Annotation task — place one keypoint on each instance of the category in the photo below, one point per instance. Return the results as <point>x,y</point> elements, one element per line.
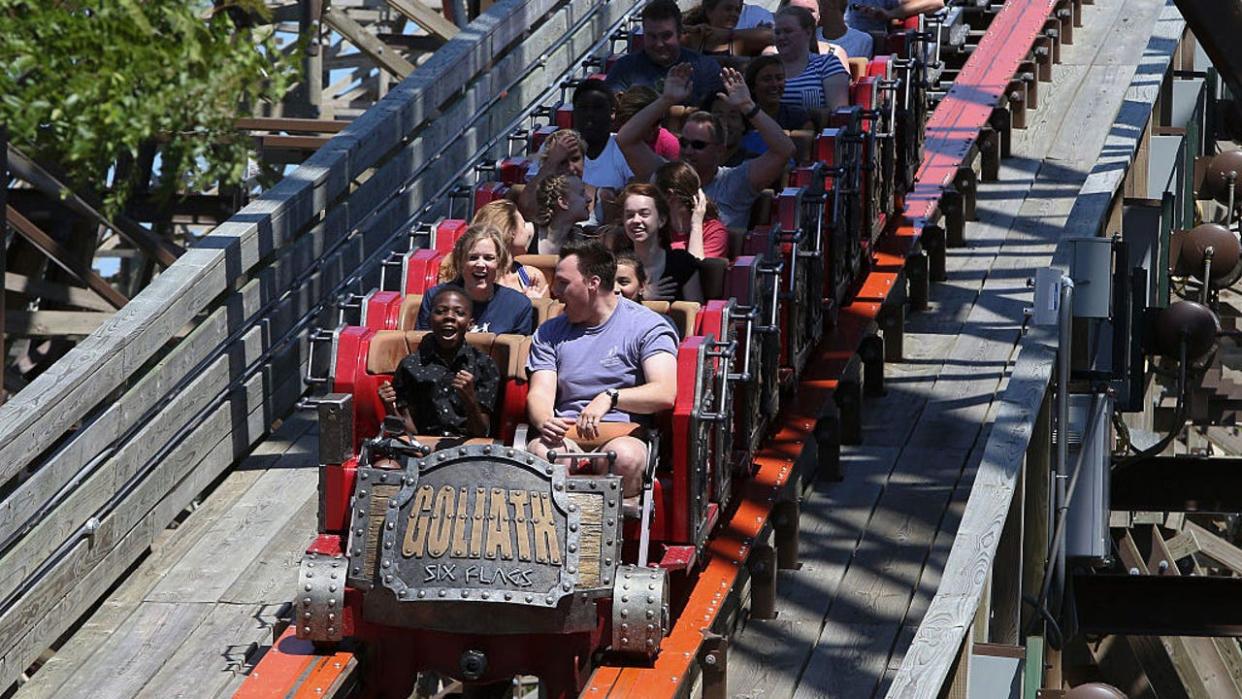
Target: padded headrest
<point>555,309</point>
<point>509,352</point>
<point>761,210</point>
<point>543,263</point>
<point>737,242</point>
<point>660,307</point>
<point>542,307</point>
<point>389,347</point>
<point>407,316</point>
<point>804,142</point>
<point>684,315</point>
<point>858,67</point>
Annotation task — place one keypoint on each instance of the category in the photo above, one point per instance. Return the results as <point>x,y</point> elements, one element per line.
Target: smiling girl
<point>672,275</point>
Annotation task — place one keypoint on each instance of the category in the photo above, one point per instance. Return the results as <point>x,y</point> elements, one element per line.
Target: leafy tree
<point>85,82</point>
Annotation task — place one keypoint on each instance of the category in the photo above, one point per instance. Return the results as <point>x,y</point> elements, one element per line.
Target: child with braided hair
<point>560,203</point>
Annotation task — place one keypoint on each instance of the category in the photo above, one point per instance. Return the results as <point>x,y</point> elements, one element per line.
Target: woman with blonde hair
<point>503,215</point>
<point>478,257</point>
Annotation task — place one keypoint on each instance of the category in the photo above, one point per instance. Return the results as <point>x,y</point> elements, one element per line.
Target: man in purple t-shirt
<point>605,360</point>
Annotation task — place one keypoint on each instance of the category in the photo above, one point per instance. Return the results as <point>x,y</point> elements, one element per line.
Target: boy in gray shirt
<point>603,364</point>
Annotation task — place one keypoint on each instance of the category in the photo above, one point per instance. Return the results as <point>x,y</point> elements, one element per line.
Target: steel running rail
<point>951,131</point>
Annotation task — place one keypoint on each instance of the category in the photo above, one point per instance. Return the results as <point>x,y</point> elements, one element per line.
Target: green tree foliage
<point>83,82</point>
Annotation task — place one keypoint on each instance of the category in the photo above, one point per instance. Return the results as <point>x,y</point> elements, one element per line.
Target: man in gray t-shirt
<point>602,364</point>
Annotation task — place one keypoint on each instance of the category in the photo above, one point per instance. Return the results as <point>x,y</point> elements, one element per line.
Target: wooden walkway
<point>874,545</point>
<point>187,617</point>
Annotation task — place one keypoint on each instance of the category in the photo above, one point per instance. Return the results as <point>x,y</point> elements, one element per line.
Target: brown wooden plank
<point>238,537</point>
<point>45,610</point>
<point>75,296</point>
<point>274,572</point>
<point>53,323</point>
<point>165,252</point>
<point>137,651</point>
<point>767,658</point>
<point>212,660</point>
<point>1215,547</point>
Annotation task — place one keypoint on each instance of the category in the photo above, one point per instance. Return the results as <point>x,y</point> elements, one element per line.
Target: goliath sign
<point>481,524</point>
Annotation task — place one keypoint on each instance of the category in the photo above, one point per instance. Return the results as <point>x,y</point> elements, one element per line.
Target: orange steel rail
<point>294,669</point>
<point>950,132</point>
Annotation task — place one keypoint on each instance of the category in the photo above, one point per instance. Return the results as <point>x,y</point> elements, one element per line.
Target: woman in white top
<point>812,81</point>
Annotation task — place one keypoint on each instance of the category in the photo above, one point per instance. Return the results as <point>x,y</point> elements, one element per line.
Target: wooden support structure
<point>165,252</point>
<point>927,668</point>
<point>4,253</point>
<point>68,295</point>
<point>61,257</point>
<point>359,36</point>
<point>425,17</point>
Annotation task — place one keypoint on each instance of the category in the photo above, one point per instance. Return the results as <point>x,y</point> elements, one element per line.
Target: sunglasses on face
<point>694,143</point>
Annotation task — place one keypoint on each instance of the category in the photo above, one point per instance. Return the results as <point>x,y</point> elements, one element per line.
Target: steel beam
<point>1179,484</point>
<point>1159,605</point>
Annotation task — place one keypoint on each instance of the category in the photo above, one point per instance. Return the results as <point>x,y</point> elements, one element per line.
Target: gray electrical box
<point>1086,523</point>
<point>1091,268</point>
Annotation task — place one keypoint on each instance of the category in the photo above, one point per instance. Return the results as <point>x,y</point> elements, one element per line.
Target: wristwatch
<point>754,112</point>
<point>613,395</point>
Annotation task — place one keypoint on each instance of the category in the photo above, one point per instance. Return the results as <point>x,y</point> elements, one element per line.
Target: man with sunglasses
<point>733,189</point>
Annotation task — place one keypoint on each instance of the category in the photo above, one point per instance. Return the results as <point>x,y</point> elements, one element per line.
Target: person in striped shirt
<point>815,82</point>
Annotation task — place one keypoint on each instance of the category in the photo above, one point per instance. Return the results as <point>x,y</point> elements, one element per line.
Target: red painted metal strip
<point>955,123</point>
